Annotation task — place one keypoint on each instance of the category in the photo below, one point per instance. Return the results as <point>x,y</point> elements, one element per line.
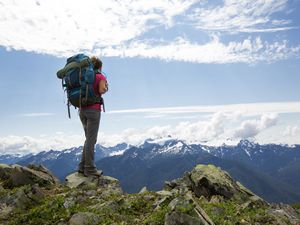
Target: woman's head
<point>97,63</point>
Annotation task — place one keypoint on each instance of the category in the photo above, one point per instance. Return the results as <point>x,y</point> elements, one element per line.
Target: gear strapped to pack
<point>78,77</point>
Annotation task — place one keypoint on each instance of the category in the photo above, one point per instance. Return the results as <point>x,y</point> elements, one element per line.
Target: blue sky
<point>204,71</point>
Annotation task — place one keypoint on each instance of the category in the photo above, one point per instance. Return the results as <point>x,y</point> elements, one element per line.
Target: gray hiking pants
<point>90,119</point>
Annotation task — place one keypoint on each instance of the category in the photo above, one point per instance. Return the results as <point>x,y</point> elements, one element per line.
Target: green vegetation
<point>114,208</point>
<point>49,211</point>
<point>228,213</point>
<point>296,206</point>
<point>107,204</point>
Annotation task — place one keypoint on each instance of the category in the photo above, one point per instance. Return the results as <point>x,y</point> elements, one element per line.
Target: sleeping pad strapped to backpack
<point>78,77</point>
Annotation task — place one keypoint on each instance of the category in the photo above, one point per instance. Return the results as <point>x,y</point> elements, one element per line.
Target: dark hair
<point>97,63</point>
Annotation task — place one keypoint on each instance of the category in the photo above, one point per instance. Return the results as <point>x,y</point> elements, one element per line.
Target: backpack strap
<point>102,102</point>
<point>86,92</point>
<point>80,76</point>
<point>69,113</point>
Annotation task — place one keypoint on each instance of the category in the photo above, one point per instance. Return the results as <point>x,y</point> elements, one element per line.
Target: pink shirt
<point>98,77</point>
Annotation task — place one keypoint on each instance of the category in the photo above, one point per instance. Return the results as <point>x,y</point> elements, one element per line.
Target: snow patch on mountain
<point>120,152</point>
<point>173,149</point>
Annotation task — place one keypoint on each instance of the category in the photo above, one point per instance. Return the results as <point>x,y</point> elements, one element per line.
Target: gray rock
<point>177,218</point>
<point>143,190</point>
<point>69,202</point>
<point>216,199</point>
<point>283,213</point>
<point>22,198</point>
<point>165,193</point>
<point>161,202</point>
<point>85,218</point>
<point>16,175</point>
<point>99,184</point>
<point>187,211</point>
<point>209,181</point>
<point>5,211</point>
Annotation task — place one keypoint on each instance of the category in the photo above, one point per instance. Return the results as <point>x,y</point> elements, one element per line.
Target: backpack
<point>78,77</point>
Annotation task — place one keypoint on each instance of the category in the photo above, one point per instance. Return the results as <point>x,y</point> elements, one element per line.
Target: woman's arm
<point>103,87</point>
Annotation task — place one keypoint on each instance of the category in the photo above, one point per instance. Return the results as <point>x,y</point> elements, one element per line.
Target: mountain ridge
<point>259,167</point>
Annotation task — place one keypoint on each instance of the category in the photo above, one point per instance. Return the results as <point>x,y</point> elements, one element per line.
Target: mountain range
<point>271,171</point>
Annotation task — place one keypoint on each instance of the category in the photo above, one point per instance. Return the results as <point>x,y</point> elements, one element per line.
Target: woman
<point>90,118</point>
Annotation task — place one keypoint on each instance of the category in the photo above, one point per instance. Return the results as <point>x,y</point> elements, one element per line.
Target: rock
<point>69,202</point>
<point>216,199</point>
<point>164,193</point>
<point>284,213</point>
<point>209,180</point>
<point>84,218</point>
<point>16,175</point>
<point>101,184</point>
<point>161,202</point>
<point>177,218</point>
<point>5,211</point>
<point>21,198</point>
<point>182,184</point>
<point>165,197</point>
<point>205,192</point>
<point>188,211</point>
<point>143,190</point>
<point>253,202</point>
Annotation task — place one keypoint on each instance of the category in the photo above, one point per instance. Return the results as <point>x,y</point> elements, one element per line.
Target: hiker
<point>90,119</point>
<point>85,84</point>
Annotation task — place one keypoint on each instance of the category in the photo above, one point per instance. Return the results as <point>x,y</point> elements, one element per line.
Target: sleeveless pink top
<point>96,106</point>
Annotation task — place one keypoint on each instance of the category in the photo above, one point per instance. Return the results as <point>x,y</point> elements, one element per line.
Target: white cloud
<point>242,16</point>
<point>126,29</point>
<point>251,128</point>
<point>62,27</point>
<point>215,129</point>
<point>35,114</point>
<point>220,127</point>
<point>292,131</point>
<point>214,51</point>
<point>249,109</point>
<point>26,144</point>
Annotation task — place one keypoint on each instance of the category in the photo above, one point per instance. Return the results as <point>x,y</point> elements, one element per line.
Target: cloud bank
<point>142,28</point>
<point>221,124</point>
<point>251,128</point>
<point>216,130</point>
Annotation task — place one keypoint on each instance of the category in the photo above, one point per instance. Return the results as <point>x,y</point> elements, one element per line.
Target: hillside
<point>206,195</point>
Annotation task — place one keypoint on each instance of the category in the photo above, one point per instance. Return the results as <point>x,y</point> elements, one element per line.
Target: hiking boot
<point>96,173</point>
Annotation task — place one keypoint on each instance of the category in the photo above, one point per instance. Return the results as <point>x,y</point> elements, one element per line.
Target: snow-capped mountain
<point>61,163</point>
<point>11,159</point>
<point>272,171</point>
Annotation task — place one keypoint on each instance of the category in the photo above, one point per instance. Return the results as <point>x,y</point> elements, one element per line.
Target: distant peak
<point>247,143</point>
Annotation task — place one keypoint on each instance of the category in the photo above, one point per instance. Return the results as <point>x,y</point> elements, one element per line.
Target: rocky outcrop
<point>206,195</point>
<point>16,176</point>
<point>209,181</point>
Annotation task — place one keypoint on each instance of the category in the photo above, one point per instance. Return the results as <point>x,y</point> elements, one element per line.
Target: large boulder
<point>109,184</point>
<point>209,181</point>
<point>16,176</point>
